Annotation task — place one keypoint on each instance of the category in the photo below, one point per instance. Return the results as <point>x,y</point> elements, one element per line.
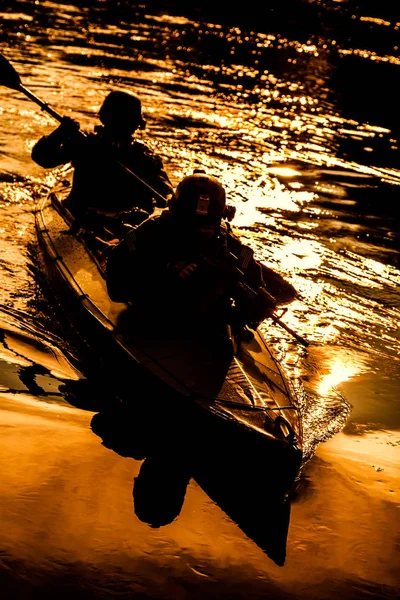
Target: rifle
<point>248,300</point>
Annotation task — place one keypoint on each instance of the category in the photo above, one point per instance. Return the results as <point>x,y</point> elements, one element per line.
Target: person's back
<point>113,172</point>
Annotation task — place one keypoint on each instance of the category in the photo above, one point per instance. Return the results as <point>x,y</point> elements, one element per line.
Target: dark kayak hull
<point>244,403</point>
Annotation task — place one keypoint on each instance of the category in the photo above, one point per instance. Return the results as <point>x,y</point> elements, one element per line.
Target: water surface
<point>297,115</point>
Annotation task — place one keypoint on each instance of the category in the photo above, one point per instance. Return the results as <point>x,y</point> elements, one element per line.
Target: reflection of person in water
<point>159,490</point>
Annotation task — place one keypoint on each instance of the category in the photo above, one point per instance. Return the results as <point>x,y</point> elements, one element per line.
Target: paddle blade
<point>8,75</point>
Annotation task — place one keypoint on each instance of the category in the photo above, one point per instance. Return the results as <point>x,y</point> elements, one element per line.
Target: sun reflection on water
<point>339,370</point>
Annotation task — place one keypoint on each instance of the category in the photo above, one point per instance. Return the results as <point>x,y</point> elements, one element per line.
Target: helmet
<point>122,110</point>
<point>199,197</point>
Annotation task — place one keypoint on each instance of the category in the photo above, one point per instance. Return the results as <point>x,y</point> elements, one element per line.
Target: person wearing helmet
<point>113,172</point>
<point>189,257</point>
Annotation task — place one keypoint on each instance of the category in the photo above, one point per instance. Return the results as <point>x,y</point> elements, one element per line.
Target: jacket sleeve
<point>131,265</point>
<point>256,274</point>
<point>52,150</point>
<point>59,147</point>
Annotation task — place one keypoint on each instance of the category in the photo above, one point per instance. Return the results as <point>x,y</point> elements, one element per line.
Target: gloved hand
<point>68,127</point>
<point>159,202</point>
<point>133,217</point>
<point>264,303</point>
<point>253,305</point>
<point>182,269</point>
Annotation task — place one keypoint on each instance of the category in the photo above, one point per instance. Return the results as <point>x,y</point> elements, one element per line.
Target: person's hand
<point>265,304</point>
<point>186,271</point>
<point>132,217</point>
<point>229,212</point>
<point>183,270</point>
<point>69,127</point>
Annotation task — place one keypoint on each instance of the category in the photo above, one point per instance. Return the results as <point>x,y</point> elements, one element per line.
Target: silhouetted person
<point>188,261</point>
<point>100,182</point>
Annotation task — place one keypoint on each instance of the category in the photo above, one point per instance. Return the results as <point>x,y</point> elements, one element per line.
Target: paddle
<point>10,79</point>
<point>289,330</point>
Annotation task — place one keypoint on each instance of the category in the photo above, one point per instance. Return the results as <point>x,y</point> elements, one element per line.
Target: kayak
<point>234,389</point>
<point>238,390</point>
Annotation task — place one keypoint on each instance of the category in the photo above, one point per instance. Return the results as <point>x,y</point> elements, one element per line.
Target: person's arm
<point>254,301</point>
<point>131,264</point>
<point>259,275</point>
<point>56,149</point>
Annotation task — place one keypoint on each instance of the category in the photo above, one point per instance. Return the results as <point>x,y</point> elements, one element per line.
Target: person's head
<point>200,201</point>
<point>121,113</point>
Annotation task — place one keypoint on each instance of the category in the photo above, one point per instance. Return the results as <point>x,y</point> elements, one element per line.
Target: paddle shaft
<point>43,105</point>
<point>274,317</point>
<point>289,330</point>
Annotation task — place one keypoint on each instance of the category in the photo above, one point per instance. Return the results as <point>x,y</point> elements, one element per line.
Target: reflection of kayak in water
<point>172,456</point>
<point>31,359</point>
<point>244,392</point>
